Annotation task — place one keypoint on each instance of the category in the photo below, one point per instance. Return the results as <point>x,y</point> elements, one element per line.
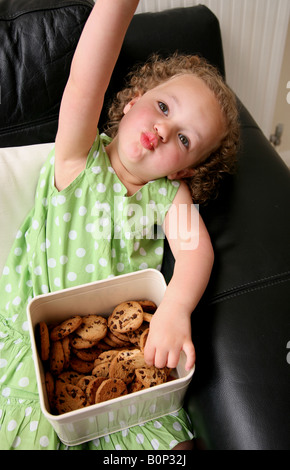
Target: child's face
<point>170,129</point>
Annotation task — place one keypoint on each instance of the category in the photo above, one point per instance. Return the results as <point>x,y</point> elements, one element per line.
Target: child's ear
<point>179,175</point>
<point>131,103</point>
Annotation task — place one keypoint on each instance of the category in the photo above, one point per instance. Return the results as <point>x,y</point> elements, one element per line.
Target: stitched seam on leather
<point>27,125</point>
<point>231,296</point>
<point>16,14</point>
<point>251,286</point>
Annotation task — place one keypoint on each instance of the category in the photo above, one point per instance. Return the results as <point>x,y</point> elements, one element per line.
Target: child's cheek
<point>143,116</point>
<point>134,152</point>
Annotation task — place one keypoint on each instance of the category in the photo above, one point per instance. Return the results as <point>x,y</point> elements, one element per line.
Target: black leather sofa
<point>239,397</point>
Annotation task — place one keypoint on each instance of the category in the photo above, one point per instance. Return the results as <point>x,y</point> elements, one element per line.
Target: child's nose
<point>163,132</point>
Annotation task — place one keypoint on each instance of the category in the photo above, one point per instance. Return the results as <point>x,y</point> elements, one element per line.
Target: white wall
<point>282,110</point>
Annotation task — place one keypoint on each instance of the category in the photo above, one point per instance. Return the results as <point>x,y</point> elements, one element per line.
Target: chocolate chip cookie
<point>127,316</point>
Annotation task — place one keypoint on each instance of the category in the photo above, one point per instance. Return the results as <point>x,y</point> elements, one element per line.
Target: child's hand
<point>169,334</point>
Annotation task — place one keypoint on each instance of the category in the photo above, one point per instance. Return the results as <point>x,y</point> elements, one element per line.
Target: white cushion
<point>19,172</point>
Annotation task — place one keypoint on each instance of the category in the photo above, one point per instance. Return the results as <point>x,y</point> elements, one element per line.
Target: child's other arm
<point>192,249</point>
<point>91,70</point>
<point>170,328</point>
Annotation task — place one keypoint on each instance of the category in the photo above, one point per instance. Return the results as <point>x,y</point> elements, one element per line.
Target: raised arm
<point>91,69</point>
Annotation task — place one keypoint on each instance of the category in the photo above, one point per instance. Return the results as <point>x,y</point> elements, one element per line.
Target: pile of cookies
<point>90,359</point>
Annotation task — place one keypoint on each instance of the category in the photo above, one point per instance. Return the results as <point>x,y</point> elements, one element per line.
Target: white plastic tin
<point>100,298</point>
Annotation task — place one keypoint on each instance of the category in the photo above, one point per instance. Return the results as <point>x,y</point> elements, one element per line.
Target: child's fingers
<point>155,356</point>
<point>189,350</point>
<point>173,358</point>
<point>149,353</point>
<point>161,357</point>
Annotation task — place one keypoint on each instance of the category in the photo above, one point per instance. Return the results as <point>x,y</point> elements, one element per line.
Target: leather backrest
<point>37,42</point>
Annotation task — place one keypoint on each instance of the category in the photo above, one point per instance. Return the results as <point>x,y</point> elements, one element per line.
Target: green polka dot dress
<point>91,230</point>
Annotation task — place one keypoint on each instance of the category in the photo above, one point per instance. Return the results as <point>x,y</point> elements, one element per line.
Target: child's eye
<point>184,140</point>
<point>163,107</point>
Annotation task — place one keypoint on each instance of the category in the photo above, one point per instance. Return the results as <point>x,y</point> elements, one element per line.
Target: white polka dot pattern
<point>89,231</point>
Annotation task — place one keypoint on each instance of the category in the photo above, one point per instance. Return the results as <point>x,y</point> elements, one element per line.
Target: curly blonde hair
<point>208,174</point>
